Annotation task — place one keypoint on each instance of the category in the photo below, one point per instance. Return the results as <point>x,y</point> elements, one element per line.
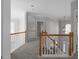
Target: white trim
<point>5,29</point>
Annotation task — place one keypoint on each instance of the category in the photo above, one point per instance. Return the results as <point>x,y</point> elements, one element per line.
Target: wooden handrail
<point>46,34</point>
<point>55,35</point>
<point>17,33</point>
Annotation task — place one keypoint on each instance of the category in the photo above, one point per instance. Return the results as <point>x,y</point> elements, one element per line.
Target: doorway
<point>39,28</point>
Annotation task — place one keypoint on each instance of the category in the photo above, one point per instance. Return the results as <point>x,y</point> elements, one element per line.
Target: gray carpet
<point>29,51</point>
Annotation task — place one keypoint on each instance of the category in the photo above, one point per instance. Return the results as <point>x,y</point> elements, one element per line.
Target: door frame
<point>5,29</point>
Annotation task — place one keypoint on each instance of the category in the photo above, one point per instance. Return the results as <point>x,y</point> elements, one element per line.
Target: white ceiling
<point>53,8</point>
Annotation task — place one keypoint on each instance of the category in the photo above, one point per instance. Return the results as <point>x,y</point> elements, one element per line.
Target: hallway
<point>29,51</point>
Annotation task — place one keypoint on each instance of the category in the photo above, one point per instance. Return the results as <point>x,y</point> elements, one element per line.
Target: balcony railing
<point>56,44</point>
<point>17,40</point>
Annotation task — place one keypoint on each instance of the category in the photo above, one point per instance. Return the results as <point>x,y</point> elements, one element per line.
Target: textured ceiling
<point>52,8</point>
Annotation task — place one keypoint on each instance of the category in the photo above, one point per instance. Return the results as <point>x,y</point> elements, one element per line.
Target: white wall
<point>52,27</point>
<point>18,18</point>
<point>31,27</point>
<point>74,16</point>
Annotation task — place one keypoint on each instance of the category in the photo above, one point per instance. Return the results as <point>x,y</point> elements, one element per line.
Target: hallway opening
<point>43,29</point>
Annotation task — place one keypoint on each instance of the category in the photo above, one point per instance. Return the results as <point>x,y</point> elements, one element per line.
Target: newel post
<point>40,43</point>
<point>70,45</point>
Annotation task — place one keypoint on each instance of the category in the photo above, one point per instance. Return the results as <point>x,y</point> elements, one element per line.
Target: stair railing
<point>43,36</point>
